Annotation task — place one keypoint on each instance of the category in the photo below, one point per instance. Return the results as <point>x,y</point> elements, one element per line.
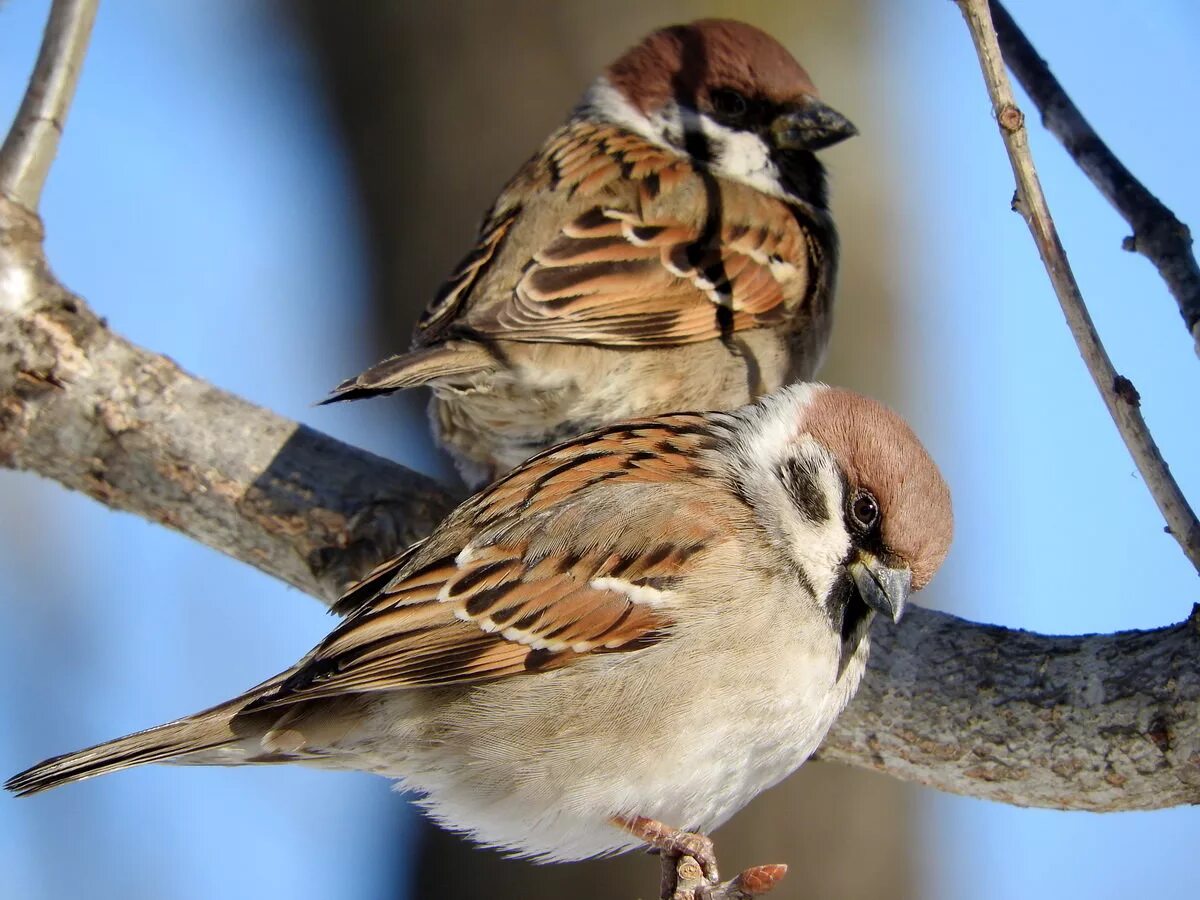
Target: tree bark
<point>130,429</point>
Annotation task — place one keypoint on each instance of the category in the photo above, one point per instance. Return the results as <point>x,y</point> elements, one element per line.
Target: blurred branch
<point>1157,233</point>
<point>1118,392</point>
<point>33,139</point>
<point>1101,722</point>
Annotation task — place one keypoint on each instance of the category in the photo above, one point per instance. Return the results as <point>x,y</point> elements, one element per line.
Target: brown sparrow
<point>670,247</point>
<point>654,621</point>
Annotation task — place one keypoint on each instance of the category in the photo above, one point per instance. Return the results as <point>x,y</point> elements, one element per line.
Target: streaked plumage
<point>658,619</point>
<point>657,253</point>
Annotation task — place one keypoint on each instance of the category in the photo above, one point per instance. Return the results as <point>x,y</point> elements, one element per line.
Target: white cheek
<point>742,156</point>
<point>819,548</point>
<point>738,155</point>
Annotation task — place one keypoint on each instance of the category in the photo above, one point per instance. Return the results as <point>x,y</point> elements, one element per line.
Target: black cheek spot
<point>802,486</point>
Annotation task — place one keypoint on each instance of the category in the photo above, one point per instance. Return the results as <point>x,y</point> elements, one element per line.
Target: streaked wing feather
<point>642,265</point>
<point>496,226</point>
<point>511,600</point>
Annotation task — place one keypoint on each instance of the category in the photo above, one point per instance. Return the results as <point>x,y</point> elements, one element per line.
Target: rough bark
<point>1098,722</point>
<point>81,405</point>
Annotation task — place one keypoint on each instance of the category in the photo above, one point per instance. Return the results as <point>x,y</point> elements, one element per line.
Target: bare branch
<point>83,406</point>
<point>32,141</point>
<point>1102,722</point>
<point>751,883</point>
<point>1118,392</point>
<point>1157,233</point>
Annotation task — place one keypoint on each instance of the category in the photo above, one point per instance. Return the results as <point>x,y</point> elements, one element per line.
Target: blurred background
<point>269,192</point>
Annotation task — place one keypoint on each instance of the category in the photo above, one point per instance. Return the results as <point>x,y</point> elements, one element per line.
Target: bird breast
<point>687,731</point>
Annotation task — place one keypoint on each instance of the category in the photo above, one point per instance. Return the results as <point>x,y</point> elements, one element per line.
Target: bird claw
<point>689,864</point>
<point>680,851</point>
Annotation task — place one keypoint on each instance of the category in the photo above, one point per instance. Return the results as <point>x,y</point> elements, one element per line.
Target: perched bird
<point>669,247</point>
<point>650,623</point>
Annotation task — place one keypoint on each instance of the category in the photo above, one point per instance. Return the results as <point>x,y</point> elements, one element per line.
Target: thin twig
<point>32,141</point>
<point>1157,234</point>
<point>1118,392</point>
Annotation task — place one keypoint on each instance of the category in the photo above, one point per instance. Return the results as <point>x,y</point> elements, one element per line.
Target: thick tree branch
<point>83,406</point>
<point>1118,392</point>
<point>1101,722</point>
<point>1157,233</point>
<point>32,141</point>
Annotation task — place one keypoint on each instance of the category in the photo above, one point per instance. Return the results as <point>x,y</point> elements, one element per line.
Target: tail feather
<point>442,361</point>
<point>153,745</point>
<point>220,726</point>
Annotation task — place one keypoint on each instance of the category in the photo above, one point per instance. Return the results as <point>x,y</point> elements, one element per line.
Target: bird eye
<point>728,103</point>
<point>865,511</point>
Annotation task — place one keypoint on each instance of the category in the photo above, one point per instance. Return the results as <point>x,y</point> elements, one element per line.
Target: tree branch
<point>1101,722</point>
<point>1157,233</point>
<point>32,141</point>
<point>1118,392</point>
<point>129,428</point>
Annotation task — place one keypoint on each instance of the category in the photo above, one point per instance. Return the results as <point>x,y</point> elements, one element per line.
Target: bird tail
<point>190,740</point>
<point>442,361</point>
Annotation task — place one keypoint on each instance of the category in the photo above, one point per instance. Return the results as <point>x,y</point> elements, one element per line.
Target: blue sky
<point>1056,532</point>
<point>212,222</point>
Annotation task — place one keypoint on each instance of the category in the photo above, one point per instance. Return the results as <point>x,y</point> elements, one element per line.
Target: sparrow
<point>669,247</point>
<point>648,624</point>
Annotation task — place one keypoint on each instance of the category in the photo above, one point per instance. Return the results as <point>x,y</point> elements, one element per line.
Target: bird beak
<point>883,589</point>
<point>810,126</point>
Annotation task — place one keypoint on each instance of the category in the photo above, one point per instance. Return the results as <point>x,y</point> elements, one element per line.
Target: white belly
<point>688,742</point>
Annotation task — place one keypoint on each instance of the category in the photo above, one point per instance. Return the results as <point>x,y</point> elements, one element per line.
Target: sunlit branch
<point>32,142</point>
<point>1118,392</point>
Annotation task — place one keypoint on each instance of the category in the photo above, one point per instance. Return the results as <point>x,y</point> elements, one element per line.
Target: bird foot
<point>689,865</point>
<point>674,847</point>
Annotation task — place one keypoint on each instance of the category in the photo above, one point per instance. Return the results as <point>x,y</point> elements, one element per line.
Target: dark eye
<point>864,511</point>
<point>728,103</point>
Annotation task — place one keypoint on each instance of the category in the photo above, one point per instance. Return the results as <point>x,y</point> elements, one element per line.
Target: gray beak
<point>810,126</point>
<point>884,590</point>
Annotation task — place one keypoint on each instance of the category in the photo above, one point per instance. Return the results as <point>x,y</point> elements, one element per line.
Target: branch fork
<point>1114,389</point>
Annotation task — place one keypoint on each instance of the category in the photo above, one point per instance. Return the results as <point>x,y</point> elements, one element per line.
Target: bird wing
<point>609,239</point>
<point>547,565</point>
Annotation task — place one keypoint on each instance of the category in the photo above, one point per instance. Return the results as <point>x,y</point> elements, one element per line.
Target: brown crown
<point>683,62</point>
<point>879,452</point>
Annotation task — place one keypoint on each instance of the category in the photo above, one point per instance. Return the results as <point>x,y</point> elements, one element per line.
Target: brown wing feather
<point>536,579</point>
<point>495,226</point>
<point>617,241</point>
